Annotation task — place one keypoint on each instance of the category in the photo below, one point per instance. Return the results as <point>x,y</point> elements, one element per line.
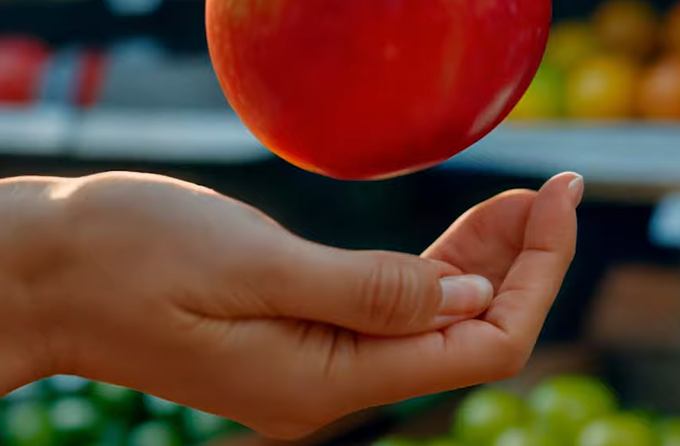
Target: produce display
<point>70,411</point>
<point>623,62</point>
<point>569,410</point>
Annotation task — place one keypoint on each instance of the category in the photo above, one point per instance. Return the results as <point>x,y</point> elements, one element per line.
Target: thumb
<point>381,293</point>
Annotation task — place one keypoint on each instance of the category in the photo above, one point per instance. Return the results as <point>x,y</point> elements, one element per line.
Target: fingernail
<point>465,295</point>
<point>576,188</point>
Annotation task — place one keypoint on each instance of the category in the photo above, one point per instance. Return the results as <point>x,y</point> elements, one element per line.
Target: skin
<point>175,290</point>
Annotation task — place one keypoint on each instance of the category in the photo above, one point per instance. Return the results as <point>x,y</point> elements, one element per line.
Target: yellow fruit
<point>603,87</point>
<point>659,92</point>
<point>544,98</point>
<point>628,27</point>
<point>571,42</point>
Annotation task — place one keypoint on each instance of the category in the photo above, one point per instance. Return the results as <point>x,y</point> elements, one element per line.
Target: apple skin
<point>372,89</point>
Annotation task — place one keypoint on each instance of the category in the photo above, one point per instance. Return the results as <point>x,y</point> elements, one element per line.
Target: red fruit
<point>22,60</point>
<point>367,89</point>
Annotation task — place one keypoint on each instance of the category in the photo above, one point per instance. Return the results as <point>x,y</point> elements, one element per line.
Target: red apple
<point>368,89</point>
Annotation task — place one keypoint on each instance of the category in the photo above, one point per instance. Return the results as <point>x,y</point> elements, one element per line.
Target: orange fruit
<point>628,27</point>
<point>602,87</point>
<point>571,42</point>
<point>659,91</point>
<point>672,29</point>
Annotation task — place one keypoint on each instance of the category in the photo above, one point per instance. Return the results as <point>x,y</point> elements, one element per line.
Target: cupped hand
<point>177,291</point>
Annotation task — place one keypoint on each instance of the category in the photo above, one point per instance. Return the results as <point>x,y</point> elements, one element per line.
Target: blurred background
<point>92,85</point>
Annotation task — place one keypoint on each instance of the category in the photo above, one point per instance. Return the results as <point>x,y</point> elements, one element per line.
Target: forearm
<point>32,240</point>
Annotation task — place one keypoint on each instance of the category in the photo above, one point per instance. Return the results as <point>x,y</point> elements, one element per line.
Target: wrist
<point>20,356</point>
<point>31,246</point>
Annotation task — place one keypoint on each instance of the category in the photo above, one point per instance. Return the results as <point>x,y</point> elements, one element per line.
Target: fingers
<point>380,293</point>
<point>536,276</point>
<point>486,239</point>
<point>474,351</point>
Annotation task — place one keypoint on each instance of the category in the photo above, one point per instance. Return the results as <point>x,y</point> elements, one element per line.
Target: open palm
<point>523,242</point>
<point>204,301</point>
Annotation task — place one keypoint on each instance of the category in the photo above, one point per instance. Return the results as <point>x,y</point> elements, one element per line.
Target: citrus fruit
<point>545,96</point>
<point>563,405</point>
<point>603,87</point>
<point>618,430</point>
<point>571,42</point>
<point>487,413</point>
<point>628,27</point>
<point>659,90</point>
<point>361,90</point>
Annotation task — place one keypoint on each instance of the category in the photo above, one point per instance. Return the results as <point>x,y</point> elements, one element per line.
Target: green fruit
<point>519,436</point>
<point>26,423</point>
<point>441,441</point>
<point>160,408</point>
<point>544,99</point>
<point>117,401</point>
<point>562,406</point>
<point>67,384</point>
<point>618,430</point>
<point>115,433</point>
<point>669,432</point>
<point>33,391</point>
<point>112,394</point>
<point>155,433</point>
<point>76,420</point>
<point>485,414</point>
<point>203,426</point>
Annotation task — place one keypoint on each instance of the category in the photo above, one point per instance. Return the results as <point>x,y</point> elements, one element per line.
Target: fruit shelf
<point>169,136</point>
<point>614,153</point>
<point>632,153</point>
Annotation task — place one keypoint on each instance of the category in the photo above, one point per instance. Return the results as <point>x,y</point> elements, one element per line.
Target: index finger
<point>535,278</point>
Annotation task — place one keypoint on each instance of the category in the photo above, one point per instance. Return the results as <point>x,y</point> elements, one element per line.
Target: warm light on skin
<point>64,188</point>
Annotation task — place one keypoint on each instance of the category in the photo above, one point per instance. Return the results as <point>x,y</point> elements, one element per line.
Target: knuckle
<point>395,295</point>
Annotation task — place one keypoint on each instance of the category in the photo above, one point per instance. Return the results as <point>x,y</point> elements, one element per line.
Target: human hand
<point>177,291</point>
